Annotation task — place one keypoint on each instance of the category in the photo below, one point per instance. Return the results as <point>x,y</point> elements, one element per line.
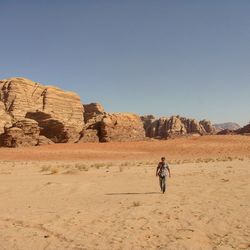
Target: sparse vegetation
<point>81,167</point>
<point>54,170</point>
<point>136,204</point>
<point>125,164</point>
<point>97,165</point>
<point>45,168</point>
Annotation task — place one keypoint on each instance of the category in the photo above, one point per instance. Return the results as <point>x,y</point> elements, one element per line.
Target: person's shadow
<point>133,193</point>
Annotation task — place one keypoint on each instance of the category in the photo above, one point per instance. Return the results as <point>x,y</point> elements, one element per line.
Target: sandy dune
<point>65,197</point>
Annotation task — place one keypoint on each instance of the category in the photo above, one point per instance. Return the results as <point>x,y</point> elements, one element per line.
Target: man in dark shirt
<point>161,171</point>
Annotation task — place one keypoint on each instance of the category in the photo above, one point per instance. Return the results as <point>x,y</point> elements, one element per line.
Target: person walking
<point>161,171</point>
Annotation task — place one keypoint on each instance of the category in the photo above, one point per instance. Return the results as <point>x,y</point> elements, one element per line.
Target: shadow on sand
<point>133,193</point>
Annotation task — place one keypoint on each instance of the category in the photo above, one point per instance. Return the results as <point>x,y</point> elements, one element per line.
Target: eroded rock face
<point>174,126</point>
<point>227,132</point>
<point>42,140</point>
<point>5,118</point>
<point>54,128</point>
<point>93,115</point>
<point>21,96</point>
<point>92,110</point>
<point>208,127</point>
<point>244,130</point>
<point>89,135</point>
<point>121,127</point>
<point>24,132</point>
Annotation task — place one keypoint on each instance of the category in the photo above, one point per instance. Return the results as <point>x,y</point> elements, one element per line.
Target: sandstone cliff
<point>35,114</point>
<point>22,98</point>
<point>93,115</point>
<point>121,127</point>
<point>167,127</point>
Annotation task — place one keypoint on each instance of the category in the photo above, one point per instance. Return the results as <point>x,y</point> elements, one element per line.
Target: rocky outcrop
<point>34,114</point>
<point>62,111</point>
<point>174,126</point>
<point>92,111</point>
<point>208,127</point>
<point>5,118</point>
<point>93,115</point>
<point>54,128</point>
<point>24,132</point>
<point>89,135</point>
<point>121,127</point>
<point>227,132</point>
<point>244,130</point>
<point>42,140</point>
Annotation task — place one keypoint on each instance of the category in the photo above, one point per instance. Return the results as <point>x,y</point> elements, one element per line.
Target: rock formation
<point>59,114</point>
<point>93,111</point>
<point>241,131</point>
<point>208,127</point>
<point>174,126</point>
<point>24,132</point>
<point>34,114</point>
<point>121,127</point>
<point>244,130</point>
<point>93,115</point>
<point>227,132</point>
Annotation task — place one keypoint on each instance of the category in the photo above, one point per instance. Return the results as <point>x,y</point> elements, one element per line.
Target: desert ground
<point>106,196</point>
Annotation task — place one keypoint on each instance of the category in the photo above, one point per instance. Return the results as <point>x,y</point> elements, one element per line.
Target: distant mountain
<point>226,125</point>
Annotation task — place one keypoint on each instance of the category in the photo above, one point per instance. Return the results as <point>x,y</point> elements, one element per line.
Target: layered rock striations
<point>121,127</point>
<point>35,114</point>
<point>59,114</point>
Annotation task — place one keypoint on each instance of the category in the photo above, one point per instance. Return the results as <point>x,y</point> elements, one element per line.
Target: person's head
<point>162,159</point>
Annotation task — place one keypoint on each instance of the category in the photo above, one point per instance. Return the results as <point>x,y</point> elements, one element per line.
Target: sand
<point>106,196</point>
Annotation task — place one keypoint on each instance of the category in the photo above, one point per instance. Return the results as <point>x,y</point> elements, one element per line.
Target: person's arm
<point>169,171</point>
<point>157,170</point>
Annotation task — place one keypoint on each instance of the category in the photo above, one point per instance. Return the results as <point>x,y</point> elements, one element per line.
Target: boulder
<point>24,132</point>
<point>89,135</point>
<point>42,140</point>
<point>121,127</point>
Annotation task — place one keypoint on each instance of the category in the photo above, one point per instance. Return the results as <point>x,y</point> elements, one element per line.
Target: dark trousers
<point>162,181</point>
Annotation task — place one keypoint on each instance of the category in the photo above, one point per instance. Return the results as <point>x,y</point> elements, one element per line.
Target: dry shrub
<point>71,171</point>
<point>45,168</point>
<point>54,170</point>
<point>136,204</point>
<point>81,167</point>
<point>98,165</point>
<point>125,164</point>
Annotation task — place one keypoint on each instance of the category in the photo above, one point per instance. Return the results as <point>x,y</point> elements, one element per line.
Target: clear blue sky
<point>145,56</point>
